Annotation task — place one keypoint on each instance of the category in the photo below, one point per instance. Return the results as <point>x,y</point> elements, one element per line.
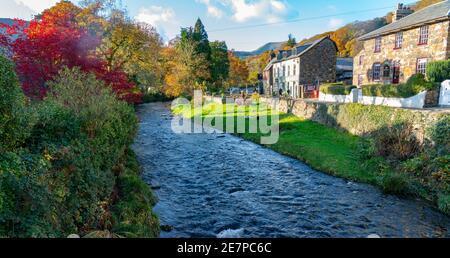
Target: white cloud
<point>24,9</point>
<point>269,10</point>
<point>37,5</point>
<point>213,11</point>
<point>335,23</point>
<point>155,15</point>
<point>12,9</point>
<point>164,19</point>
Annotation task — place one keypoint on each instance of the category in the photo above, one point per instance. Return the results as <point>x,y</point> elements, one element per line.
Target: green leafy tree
<point>220,64</point>
<point>14,116</point>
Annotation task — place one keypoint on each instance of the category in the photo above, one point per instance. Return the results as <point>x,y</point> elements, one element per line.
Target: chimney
<point>401,12</point>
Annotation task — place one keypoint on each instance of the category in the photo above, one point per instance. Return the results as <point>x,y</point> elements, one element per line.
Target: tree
<point>15,123</point>
<point>187,69</point>
<point>201,37</point>
<point>239,73</point>
<point>220,64</point>
<point>55,40</point>
<point>133,48</point>
<point>291,41</point>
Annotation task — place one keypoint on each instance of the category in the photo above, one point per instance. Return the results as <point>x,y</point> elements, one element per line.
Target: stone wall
<point>359,119</point>
<point>436,49</point>
<point>319,63</point>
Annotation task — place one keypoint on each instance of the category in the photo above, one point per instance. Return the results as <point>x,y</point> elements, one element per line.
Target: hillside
<point>267,47</point>
<point>345,38</point>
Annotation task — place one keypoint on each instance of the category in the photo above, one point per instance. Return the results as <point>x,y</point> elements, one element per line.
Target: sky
<point>232,20</point>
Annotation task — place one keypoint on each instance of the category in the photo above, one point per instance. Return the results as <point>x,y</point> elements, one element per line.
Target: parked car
<point>250,90</point>
<point>234,91</point>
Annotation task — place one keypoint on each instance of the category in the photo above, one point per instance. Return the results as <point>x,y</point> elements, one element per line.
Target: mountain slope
<point>267,47</point>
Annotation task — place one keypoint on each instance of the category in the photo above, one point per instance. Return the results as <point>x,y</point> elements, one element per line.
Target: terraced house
<point>398,50</point>
<point>301,69</point>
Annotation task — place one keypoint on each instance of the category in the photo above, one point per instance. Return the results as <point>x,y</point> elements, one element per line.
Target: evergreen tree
<point>201,37</point>
<point>291,41</point>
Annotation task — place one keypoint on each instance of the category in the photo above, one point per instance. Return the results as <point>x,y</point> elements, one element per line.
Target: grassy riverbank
<point>329,150</point>
<point>321,147</point>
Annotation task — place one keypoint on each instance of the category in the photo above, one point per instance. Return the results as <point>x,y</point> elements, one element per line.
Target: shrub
<point>133,213</point>
<point>444,203</point>
<point>394,183</point>
<point>64,182</point>
<point>397,142</point>
<point>337,88</point>
<point>15,118</point>
<point>438,71</point>
<point>415,85</point>
<point>440,134</point>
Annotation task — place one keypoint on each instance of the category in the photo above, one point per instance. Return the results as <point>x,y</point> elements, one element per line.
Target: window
<point>295,69</point>
<point>422,65</point>
<point>284,70</point>
<point>378,45</point>
<point>376,73</point>
<point>423,35</point>
<point>398,40</point>
<point>289,71</point>
<point>386,71</point>
<point>361,60</point>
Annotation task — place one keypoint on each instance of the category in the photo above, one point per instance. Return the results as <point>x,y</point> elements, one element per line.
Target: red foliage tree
<point>43,46</point>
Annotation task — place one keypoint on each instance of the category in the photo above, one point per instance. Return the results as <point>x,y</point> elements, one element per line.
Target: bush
<point>415,85</point>
<point>444,203</point>
<point>336,88</point>
<point>15,118</point>
<point>440,134</point>
<point>438,71</point>
<point>133,214</point>
<point>397,142</point>
<point>64,182</point>
<point>394,183</point>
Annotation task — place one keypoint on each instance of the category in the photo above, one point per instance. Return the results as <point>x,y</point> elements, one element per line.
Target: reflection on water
<point>223,186</point>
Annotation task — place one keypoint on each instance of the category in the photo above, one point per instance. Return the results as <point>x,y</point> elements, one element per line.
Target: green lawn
<point>323,148</point>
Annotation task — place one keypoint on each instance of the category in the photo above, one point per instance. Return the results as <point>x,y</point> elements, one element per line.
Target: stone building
<point>403,48</point>
<point>302,68</point>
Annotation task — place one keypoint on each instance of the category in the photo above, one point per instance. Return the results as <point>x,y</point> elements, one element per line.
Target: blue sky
<point>168,16</point>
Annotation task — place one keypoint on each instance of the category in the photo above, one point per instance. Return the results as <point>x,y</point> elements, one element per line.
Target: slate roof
<point>296,51</point>
<point>436,12</point>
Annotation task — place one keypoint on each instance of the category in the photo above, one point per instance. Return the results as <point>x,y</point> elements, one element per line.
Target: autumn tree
<point>55,39</point>
<point>133,48</point>
<point>187,69</point>
<point>239,73</point>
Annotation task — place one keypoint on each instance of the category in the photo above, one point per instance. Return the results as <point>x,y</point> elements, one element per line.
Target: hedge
<point>415,85</point>
<point>336,88</point>
<point>438,71</point>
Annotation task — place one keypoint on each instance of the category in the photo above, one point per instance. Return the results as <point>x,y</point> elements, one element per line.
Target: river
<point>218,185</point>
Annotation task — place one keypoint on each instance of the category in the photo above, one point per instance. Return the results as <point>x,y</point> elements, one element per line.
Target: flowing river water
<point>218,185</point>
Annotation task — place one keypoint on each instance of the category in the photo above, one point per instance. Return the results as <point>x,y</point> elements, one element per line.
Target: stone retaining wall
<point>359,119</point>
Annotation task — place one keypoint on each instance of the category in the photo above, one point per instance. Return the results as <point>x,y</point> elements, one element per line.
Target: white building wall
<point>286,76</point>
